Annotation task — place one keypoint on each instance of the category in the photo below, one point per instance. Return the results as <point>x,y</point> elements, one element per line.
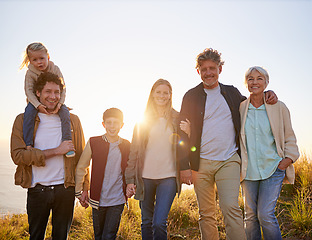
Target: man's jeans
<point>106,222</point>
<point>40,201</point>
<point>155,213</point>
<point>260,200</point>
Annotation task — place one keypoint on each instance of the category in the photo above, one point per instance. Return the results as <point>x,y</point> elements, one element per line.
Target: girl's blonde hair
<point>36,46</point>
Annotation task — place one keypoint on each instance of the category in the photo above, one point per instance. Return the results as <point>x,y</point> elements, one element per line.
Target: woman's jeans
<point>106,222</point>
<point>158,198</point>
<point>260,199</point>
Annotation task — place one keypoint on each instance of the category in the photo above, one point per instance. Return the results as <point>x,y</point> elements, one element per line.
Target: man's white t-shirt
<point>48,136</point>
<point>218,136</point>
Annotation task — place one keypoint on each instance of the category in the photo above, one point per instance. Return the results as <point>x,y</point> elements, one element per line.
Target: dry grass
<point>294,213</point>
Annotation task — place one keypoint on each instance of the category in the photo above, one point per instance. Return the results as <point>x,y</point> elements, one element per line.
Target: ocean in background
<point>12,197</point>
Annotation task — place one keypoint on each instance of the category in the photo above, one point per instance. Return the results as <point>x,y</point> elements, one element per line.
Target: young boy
<point>109,154</point>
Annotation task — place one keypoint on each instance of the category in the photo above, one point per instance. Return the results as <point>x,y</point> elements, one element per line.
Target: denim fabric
<point>158,198</point>
<point>29,124</point>
<point>106,221</point>
<point>65,121</point>
<point>260,199</point>
<point>40,201</point>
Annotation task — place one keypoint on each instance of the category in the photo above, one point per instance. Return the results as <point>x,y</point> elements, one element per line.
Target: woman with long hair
<point>152,171</point>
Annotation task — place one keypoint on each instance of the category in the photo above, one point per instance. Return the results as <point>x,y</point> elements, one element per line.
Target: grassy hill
<point>294,213</point>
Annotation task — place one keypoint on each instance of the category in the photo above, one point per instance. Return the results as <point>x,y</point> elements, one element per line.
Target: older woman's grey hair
<point>261,70</point>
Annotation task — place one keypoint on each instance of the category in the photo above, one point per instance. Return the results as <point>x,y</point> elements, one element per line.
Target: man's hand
<point>284,163</point>
<point>42,109</point>
<point>130,191</point>
<point>270,97</point>
<point>65,147</point>
<point>84,199</point>
<point>57,108</point>
<point>186,176</point>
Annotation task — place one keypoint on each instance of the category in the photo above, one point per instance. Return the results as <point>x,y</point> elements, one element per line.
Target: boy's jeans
<point>29,123</point>
<point>106,221</point>
<point>43,199</point>
<point>158,198</point>
<point>260,200</point>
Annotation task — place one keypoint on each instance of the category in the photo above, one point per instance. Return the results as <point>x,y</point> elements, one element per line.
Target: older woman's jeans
<point>158,198</point>
<point>260,199</point>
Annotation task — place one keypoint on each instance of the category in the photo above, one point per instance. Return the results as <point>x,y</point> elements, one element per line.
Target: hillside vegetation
<point>294,213</point>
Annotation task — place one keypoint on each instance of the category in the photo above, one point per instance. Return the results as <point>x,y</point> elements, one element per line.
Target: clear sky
<point>111,52</point>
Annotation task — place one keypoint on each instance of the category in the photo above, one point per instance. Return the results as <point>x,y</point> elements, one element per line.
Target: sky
<point>111,53</point>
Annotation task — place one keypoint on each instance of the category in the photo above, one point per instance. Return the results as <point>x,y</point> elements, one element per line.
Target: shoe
<point>70,154</point>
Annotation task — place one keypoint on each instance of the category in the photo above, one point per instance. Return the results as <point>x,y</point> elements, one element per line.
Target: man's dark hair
<point>47,77</point>
<point>113,112</point>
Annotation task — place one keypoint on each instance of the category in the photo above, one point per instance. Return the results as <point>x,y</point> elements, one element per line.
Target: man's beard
<point>210,84</point>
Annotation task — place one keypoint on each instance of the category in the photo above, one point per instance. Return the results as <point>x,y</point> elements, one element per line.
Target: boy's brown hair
<point>113,112</point>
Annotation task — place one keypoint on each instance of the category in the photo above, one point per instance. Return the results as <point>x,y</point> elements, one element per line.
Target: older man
<point>49,177</point>
<point>209,156</point>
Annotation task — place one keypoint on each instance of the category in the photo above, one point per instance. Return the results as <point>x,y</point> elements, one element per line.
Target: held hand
<point>84,199</point>
<point>284,163</point>
<point>57,108</point>
<point>65,147</point>
<point>186,176</point>
<point>185,126</point>
<point>42,109</point>
<point>130,191</point>
<point>194,176</point>
<point>270,97</point>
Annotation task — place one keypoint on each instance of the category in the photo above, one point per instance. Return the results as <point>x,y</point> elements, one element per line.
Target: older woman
<point>268,151</point>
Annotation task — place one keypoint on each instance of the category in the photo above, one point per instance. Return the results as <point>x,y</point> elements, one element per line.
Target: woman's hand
<point>186,127</point>
<point>130,191</point>
<point>284,163</point>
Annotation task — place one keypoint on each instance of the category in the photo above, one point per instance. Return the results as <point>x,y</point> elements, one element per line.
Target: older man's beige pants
<point>226,175</point>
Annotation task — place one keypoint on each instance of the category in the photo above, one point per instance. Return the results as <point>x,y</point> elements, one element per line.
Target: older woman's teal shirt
<point>261,148</point>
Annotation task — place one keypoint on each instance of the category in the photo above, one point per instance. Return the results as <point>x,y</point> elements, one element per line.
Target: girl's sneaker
<point>70,154</point>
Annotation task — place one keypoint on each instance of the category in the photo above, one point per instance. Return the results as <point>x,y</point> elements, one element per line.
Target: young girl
<point>37,60</point>
<point>152,173</point>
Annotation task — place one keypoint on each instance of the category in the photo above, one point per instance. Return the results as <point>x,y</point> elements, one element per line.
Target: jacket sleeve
<point>290,148</point>
<point>82,168</point>
<point>29,88</point>
<point>183,145</point>
<point>19,154</point>
<point>130,173</point>
<point>79,143</point>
